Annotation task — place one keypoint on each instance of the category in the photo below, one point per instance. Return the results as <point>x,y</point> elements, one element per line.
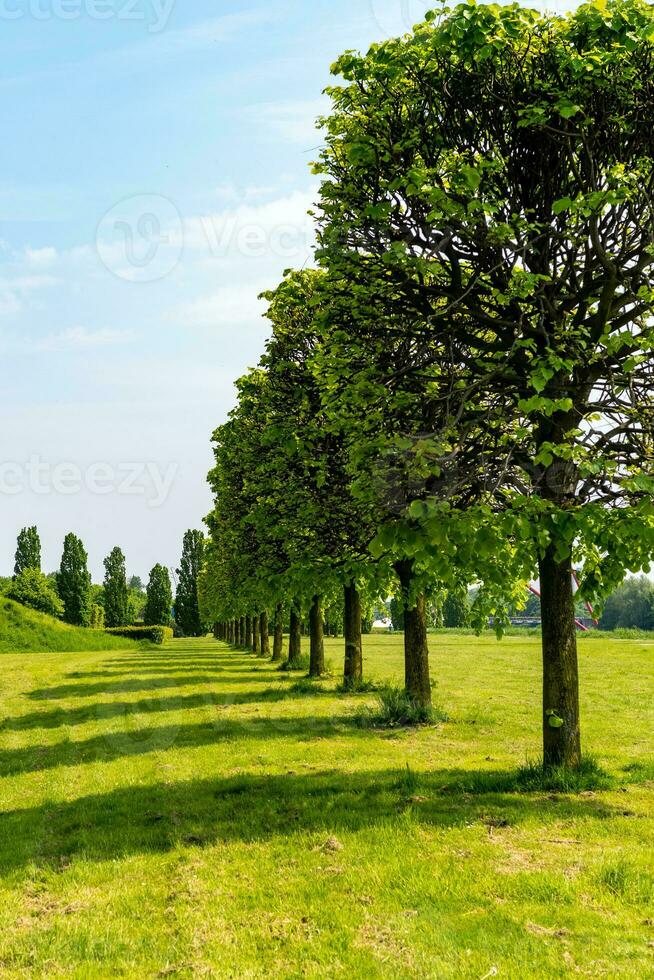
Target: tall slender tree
<point>28,551</point>
<point>74,582</point>
<point>159,598</point>
<point>187,604</point>
<point>116,593</point>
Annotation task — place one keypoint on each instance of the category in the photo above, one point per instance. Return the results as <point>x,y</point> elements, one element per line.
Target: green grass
<point>190,811</point>
<point>25,631</point>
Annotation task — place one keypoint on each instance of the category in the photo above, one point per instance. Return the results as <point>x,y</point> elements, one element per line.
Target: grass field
<point>188,812</point>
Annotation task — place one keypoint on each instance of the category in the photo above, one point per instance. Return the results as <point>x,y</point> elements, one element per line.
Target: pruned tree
<point>325,530</point>
<point>287,529</point>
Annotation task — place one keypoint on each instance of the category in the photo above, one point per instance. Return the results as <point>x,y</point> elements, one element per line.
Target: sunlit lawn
<point>186,813</point>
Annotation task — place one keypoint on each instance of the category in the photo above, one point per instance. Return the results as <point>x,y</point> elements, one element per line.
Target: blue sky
<point>127,123</point>
<point>154,179</point>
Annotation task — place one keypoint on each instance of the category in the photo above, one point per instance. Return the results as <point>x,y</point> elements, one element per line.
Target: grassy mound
<point>25,631</point>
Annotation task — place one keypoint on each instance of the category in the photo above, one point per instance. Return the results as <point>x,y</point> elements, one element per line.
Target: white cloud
<point>294,121</point>
<point>79,339</point>
<point>16,290</point>
<point>231,194</point>
<point>230,306</point>
<point>227,307</point>
<point>244,250</point>
<point>41,257</point>
<point>280,230</point>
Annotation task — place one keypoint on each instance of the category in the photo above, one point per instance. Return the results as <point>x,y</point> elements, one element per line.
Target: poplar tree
<point>116,593</point>
<point>74,582</point>
<point>28,551</point>
<point>187,606</point>
<point>159,598</point>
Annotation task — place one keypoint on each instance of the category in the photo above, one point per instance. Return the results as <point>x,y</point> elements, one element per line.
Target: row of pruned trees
<point>463,393</point>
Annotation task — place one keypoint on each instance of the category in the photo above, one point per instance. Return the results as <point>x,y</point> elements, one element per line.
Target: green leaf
<point>472,177</point>
<point>563,204</point>
<point>567,109</point>
<point>554,720</point>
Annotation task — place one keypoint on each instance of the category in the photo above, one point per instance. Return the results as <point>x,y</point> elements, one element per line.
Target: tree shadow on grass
<point>71,717</point>
<point>142,672</point>
<point>82,690</point>
<point>255,668</point>
<point>156,818</point>
<point>172,663</point>
<point>110,746</point>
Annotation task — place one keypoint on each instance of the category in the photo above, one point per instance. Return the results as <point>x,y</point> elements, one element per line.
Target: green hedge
<point>155,634</point>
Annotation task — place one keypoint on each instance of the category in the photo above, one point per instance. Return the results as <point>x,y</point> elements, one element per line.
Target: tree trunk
<point>317,658</point>
<point>295,639</point>
<point>561,734</point>
<point>416,648</point>
<point>241,635</point>
<point>255,634</point>
<point>278,641</point>
<point>264,628</point>
<point>353,673</point>
<point>248,632</point>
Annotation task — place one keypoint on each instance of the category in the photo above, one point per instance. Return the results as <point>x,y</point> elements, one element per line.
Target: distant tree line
<point>630,606</point>
<point>70,595</point>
